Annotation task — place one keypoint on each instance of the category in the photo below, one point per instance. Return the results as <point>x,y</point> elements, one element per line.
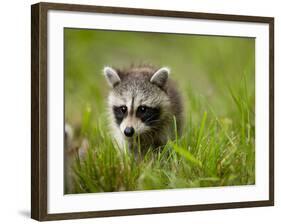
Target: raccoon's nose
<point>129,131</point>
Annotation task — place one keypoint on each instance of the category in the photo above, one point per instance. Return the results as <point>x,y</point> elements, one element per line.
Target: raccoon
<point>142,104</point>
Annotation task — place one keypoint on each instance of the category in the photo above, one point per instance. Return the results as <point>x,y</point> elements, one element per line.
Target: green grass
<point>216,78</point>
<point>214,152</point>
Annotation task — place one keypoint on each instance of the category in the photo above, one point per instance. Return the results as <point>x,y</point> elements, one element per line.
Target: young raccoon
<point>143,102</point>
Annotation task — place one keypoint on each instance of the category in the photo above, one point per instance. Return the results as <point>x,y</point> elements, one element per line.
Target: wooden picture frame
<point>39,110</point>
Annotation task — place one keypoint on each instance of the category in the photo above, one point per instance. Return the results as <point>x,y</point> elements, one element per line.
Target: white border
<point>60,203</point>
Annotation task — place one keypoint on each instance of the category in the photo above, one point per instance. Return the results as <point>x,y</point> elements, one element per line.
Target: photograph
<point>140,111</point>
<point>157,111</point>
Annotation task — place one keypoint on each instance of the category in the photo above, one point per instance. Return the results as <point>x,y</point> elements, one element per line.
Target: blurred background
<point>206,68</point>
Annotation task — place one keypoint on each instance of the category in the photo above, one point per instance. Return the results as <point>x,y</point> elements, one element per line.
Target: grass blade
<point>187,155</point>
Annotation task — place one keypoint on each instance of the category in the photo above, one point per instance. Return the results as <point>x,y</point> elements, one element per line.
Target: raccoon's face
<point>137,103</point>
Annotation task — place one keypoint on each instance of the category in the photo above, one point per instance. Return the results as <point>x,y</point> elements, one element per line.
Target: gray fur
<point>150,86</point>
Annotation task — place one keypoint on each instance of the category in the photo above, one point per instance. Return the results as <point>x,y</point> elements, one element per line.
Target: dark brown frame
<point>39,110</point>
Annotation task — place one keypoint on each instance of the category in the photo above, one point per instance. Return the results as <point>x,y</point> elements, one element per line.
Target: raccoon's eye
<point>123,109</point>
<point>142,109</point>
<point>148,115</point>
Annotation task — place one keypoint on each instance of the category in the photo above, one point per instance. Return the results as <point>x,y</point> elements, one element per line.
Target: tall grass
<point>212,152</point>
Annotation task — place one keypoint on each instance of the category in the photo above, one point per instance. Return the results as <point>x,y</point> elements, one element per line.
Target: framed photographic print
<point>138,111</point>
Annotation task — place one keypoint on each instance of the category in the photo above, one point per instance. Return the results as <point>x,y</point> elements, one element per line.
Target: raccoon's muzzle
<point>129,131</point>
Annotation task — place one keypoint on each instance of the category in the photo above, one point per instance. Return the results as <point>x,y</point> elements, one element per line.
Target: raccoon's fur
<point>73,148</point>
<point>142,104</point>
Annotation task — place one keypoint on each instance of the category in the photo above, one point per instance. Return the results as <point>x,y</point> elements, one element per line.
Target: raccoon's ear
<point>111,76</point>
<point>160,77</point>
